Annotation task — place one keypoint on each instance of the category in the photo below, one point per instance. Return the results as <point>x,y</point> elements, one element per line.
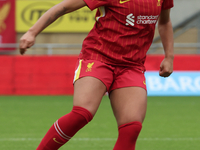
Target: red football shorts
<point>113,77</point>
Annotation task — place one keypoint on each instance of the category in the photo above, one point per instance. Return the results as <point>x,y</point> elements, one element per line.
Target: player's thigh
<point>129,104</point>
<point>88,92</point>
<point>91,80</point>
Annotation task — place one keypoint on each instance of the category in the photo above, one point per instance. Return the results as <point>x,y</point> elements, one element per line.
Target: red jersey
<point>123,31</point>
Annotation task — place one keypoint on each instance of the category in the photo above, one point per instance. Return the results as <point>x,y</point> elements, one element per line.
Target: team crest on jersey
<point>159,3</point>
<point>89,67</point>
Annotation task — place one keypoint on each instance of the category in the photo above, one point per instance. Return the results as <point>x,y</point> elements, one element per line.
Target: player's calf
<point>65,128</point>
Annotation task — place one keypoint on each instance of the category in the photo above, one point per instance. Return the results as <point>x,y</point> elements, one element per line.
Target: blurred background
<point>49,64</point>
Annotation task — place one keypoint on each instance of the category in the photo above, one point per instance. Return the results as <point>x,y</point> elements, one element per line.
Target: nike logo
<point>144,82</point>
<point>123,1</point>
<point>57,141</point>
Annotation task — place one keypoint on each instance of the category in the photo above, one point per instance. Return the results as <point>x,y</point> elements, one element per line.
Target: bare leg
<point>88,92</point>
<point>129,104</point>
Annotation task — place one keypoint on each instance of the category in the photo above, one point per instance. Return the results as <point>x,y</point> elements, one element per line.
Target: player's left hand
<point>166,67</point>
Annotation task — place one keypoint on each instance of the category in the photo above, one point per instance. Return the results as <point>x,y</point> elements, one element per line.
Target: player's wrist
<point>32,31</point>
<point>169,56</point>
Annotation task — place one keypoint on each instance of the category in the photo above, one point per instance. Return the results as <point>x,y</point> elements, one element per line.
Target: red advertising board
<point>53,75</point>
<point>7,22</point>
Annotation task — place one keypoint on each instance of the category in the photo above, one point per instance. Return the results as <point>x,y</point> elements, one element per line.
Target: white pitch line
<point>140,139</point>
<point>170,139</point>
<point>20,139</point>
<point>94,139</point>
<point>105,139</point>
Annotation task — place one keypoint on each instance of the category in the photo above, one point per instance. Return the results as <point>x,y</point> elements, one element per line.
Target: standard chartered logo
<point>131,19</point>
<point>147,19</point>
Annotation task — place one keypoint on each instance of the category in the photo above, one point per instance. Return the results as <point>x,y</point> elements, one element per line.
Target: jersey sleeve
<point>92,4</point>
<point>167,4</point>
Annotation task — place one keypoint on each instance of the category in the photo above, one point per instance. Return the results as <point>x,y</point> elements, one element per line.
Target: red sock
<point>127,137</point>
<point>64,128</point>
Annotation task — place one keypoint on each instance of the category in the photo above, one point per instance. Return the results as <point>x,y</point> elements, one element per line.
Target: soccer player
<point>112,59</point>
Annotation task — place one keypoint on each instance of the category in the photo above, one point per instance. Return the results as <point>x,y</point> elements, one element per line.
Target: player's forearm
<point>166,34</point>
<point>66,6</point>
<point>47,18</point>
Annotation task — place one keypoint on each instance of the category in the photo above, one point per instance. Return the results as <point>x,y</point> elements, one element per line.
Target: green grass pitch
<point>172,123</point>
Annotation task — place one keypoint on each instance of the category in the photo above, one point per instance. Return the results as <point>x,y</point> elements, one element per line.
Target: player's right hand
<point>26,41</point>
<point>166,67</point>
